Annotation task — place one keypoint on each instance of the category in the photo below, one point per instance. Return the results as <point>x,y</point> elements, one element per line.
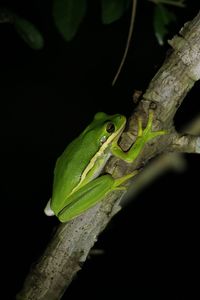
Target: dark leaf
<point>6,15</point>
<point>29,33</point>
<point>68,15</point>
<point>162,18</point>
<point>112,10</point>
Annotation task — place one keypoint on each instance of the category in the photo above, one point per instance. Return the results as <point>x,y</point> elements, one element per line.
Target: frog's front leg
<point>143,136</point>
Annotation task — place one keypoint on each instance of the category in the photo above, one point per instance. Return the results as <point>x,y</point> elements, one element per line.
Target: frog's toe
<point>48,211</point>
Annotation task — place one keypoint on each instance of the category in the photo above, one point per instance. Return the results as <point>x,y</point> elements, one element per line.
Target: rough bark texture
<point>70,245</point>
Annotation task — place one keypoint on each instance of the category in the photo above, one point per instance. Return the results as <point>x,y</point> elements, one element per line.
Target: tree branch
<point>185,143</point>
<point>72,242</point>
<point>161,164</point>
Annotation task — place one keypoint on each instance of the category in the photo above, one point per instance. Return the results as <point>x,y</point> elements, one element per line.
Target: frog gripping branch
<point>78,182</point>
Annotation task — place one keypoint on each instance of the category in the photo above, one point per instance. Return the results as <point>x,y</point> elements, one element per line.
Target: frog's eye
<point>110,127</point>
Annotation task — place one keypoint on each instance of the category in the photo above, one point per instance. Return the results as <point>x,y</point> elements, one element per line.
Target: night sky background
<point>48,96</point>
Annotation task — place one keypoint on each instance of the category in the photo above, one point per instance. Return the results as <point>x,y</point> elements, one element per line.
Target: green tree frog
<point>78,183</point>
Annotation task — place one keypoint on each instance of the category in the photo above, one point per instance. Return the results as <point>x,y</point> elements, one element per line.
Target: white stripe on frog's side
<point>101,153</point>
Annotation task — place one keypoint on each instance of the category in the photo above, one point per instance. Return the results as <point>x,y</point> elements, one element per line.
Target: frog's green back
<point>76,157</point>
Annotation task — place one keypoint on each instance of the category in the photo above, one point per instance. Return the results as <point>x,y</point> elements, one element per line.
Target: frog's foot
<point>119,181</point>
<point>147,134</point>
<point>143,136</point>
<point>48,211</point>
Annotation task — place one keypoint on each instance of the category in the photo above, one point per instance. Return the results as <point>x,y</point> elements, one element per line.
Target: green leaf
<point>162,18</point>
<point>29,33</point>
<point>68,15</point>
<point>112,10</point>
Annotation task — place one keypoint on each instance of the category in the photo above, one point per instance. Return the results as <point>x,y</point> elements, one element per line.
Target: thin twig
<point>130,33</point>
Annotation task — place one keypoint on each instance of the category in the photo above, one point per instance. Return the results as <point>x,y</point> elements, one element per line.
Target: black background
<point>49,96</point>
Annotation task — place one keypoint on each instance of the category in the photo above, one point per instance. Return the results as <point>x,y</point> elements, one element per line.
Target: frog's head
<point>107,127</point>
